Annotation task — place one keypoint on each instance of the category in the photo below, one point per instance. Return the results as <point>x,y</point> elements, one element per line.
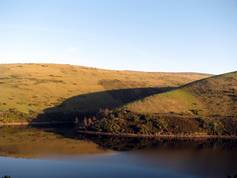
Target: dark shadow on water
<point>129,144</point>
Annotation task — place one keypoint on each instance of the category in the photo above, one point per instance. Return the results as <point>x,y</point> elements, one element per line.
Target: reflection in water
<point>199,162</point>
<point>142,158</point>
<point>202,158</point>
<point>33,142</point>
<point>127,144</point>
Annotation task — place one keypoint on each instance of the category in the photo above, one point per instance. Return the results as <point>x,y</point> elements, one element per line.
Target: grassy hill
<point>214,96</point>
<point>207,106</point>
<point>29,89</point>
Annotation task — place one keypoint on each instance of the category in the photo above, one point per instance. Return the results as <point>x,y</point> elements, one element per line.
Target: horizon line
<point>110,69</point>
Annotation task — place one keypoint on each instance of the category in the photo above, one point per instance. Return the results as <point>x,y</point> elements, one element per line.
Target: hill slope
<point>207,106</point>
<point>208,97</point>
<point>28,89</point>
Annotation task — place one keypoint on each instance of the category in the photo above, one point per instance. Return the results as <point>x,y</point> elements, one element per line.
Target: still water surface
<point>29,153</point>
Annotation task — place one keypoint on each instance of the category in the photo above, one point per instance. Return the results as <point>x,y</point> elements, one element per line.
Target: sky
<point>147,35</point>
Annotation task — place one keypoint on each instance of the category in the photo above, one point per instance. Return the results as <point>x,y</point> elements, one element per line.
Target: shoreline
<point>129,135</point>
<point>160,136</point>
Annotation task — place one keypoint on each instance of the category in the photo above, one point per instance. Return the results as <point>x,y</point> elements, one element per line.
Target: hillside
<point>29,89</point>
<point>214,96</point>
<point>206,107</point>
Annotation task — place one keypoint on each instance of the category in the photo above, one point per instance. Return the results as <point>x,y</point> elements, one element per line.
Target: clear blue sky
<point>149,35</point>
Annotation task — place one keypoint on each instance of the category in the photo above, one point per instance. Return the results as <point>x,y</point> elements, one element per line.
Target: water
<point>29,153</point>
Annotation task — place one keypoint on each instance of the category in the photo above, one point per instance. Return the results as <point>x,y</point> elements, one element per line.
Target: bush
<point>144,129</point>
<point>123,121</point>
<point>216,127</point>
<point>160,125</point>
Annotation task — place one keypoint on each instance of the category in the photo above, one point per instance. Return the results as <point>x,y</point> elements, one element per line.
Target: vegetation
<point>124,121</point>
<point>30,89</point>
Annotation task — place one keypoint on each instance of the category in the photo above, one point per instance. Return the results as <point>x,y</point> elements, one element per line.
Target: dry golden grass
<point>214,96</point>
<point>30,88</point>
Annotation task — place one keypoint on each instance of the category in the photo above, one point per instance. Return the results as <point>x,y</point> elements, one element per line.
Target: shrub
<point>144,129</point>
<point>216,127</point>
<point>160,125</point>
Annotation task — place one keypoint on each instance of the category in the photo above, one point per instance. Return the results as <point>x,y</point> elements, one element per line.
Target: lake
<point>60,153</point>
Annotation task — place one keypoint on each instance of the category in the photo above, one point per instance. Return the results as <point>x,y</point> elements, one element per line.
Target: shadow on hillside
<point>90,104</point>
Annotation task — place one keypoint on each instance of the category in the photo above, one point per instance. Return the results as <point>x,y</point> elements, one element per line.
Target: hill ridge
<point>196,91</point>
